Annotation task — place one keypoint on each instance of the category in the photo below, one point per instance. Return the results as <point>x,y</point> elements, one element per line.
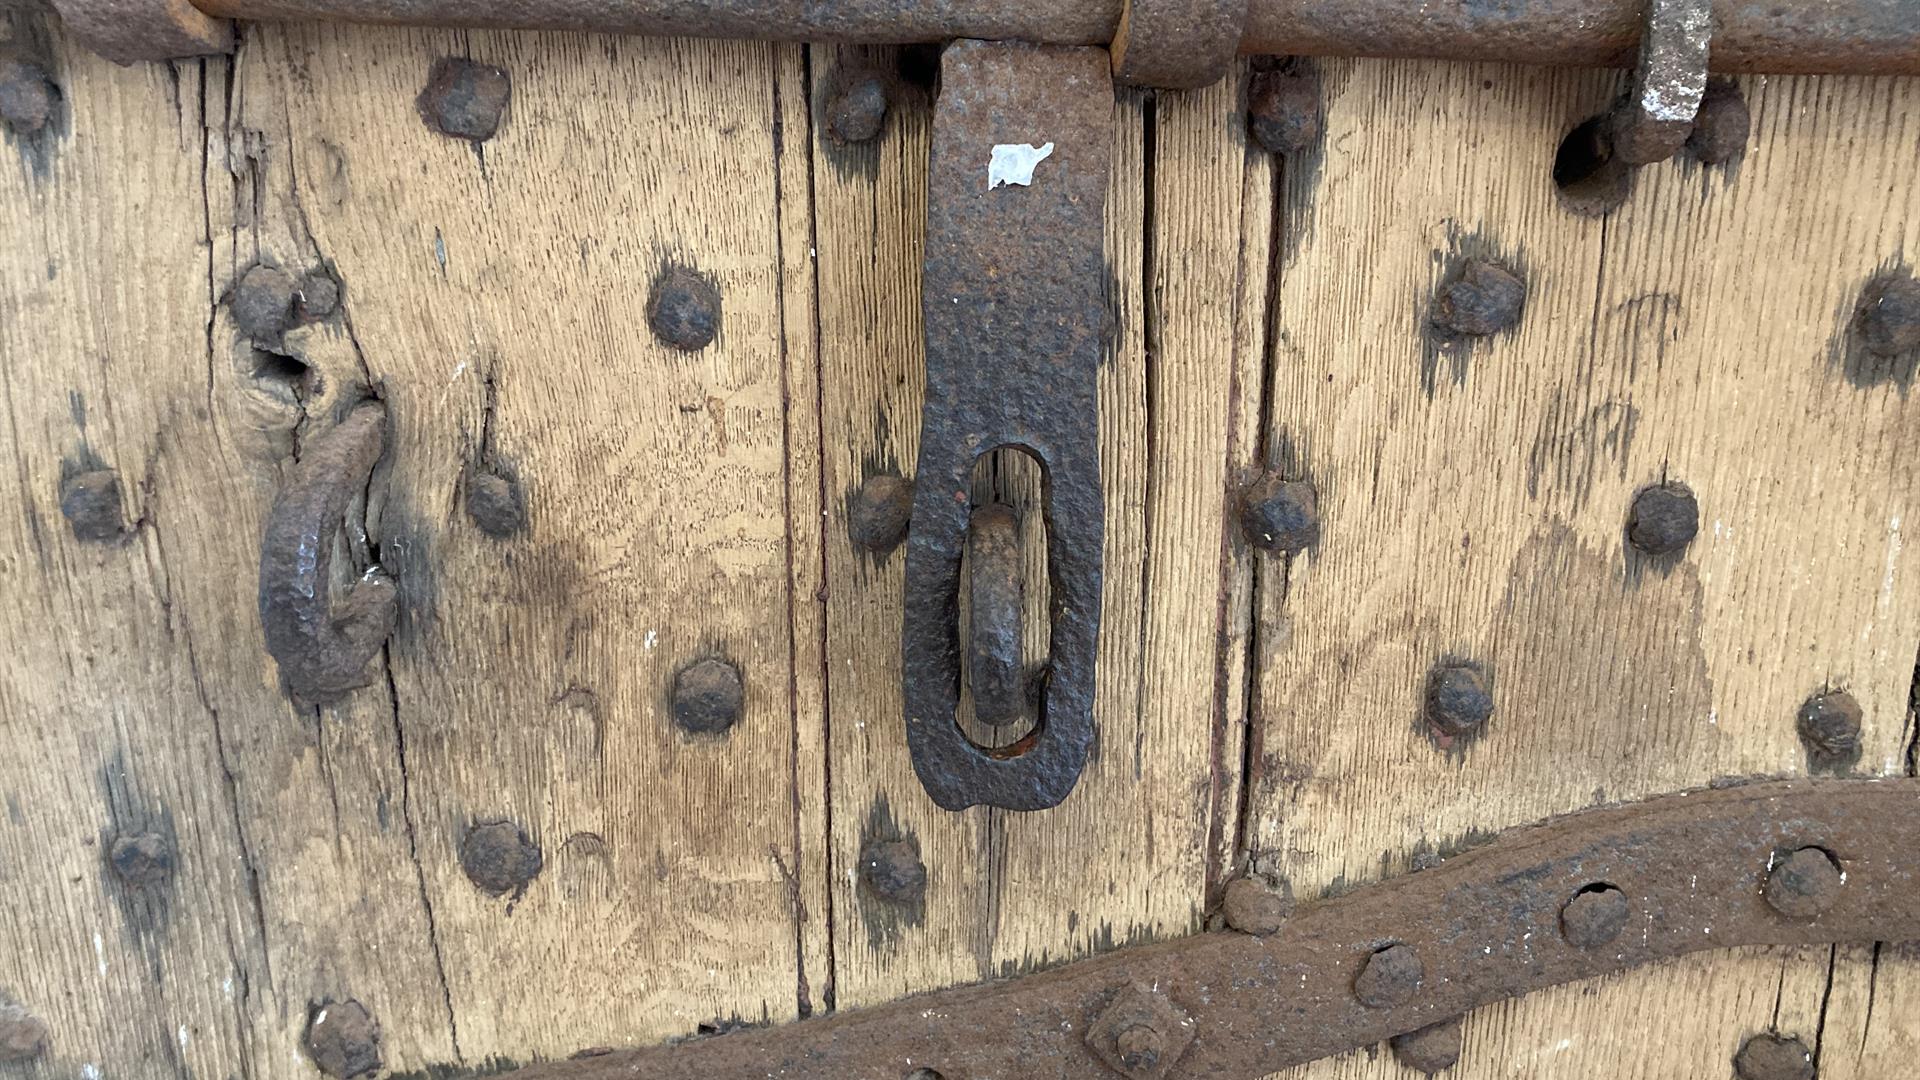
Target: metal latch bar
<point>1015,325</point>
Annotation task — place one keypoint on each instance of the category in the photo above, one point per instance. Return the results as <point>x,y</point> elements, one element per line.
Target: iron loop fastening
<point>995,603</point>
<point>323,650</point>
<point>1015,324</point>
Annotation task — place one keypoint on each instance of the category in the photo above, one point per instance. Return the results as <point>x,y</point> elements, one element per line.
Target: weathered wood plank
<point>493,298</point>
<point>495,292</point>
<point>1475,497</point>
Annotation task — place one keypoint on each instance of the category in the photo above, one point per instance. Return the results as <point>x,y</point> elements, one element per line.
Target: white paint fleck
<point>100,953</point>
<point>1013,163</point>
<point>182,1036</point>
<point>458,370</point>
<point>652,637</point>
<point>226,987</point>
<point>89,1071</point>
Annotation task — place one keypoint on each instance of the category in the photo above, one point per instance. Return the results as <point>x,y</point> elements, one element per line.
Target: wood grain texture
<point>1475,497</point>
<point>672,515</point>
<point>683,505</point>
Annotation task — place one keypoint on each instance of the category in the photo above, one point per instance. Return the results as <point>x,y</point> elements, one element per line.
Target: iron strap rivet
<point>1805,883</point>
<point>1389,977</point>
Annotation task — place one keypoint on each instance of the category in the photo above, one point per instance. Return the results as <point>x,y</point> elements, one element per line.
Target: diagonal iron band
<point>323,650</point>
<point>1179,41</point>
<point>1773,863</point>
<point>1015,324</point>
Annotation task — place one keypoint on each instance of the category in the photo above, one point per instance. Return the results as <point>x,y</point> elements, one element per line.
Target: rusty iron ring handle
<point>323,651</point>
<point>995,609</point>
<point>1015,326</point>
<point>1589,894</point>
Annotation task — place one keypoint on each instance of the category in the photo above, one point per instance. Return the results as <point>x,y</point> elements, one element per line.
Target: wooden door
<point>194,870</point>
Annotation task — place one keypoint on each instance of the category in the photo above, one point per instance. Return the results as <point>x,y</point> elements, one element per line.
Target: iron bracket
<point>1793,862</point>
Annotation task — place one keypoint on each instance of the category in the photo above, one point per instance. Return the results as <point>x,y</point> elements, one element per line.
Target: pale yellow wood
<point>695,504</point>
<point>494,300</point>
<point>1475,501</point>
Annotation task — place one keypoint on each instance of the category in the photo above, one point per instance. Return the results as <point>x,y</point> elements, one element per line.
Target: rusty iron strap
<point>323,651</point>
<point>1016,211</point>
<point>1012,300</point>
<point>1782,36</point>
<point>1777,863</point>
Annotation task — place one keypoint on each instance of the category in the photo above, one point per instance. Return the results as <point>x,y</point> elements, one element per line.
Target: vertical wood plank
<point>1475,497</point>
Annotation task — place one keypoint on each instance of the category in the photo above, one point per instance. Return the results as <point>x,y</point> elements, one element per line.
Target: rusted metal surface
<point>1785,36</point>
<point>995,605</point>
<point>1789,36</point>
<point>1177,44</point>
<point>125,31</point>
<point>1692,869</point>
<point>1014,323</point>
<point>323,650</point>
<point>1669,81</point>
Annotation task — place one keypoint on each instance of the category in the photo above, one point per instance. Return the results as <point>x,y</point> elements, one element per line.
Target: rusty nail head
<point>1805,883</point>
<point>464,99</point>
<point>684,309</point>
<point>858,112</point>
<point>1431,1049</point>
<point>1283,109</point>
<point>707,696</point>
<point>499,858</point>
<point>1482,299</point>
<point>344,1039</point>
<point>1140,1047</point>
<point>1459,699</point>
<point>1278,514</point>
<point>496,505</point>
<point>1252,906</point>
<point>892,871</point>
<point>317,296</point>
<point>262,303</point>
<point>1889,319</point>
<point>880,512</point>
<point>1389,977</point>
<point>28,96</point>
<point>1664,519</point>
<point>143,859</point>
<point>1594,917</point>
<point>1721,128</point>
<point>1773,1057</point>
<point>90,501</point>
<point>1140,1034</point>
<point>1829,724</point>
<point>23,1036</point>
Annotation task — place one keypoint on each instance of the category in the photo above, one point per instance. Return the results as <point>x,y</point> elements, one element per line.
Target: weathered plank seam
<point>803,997</point>
<point>827,992</point>
<point>413,848</point>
